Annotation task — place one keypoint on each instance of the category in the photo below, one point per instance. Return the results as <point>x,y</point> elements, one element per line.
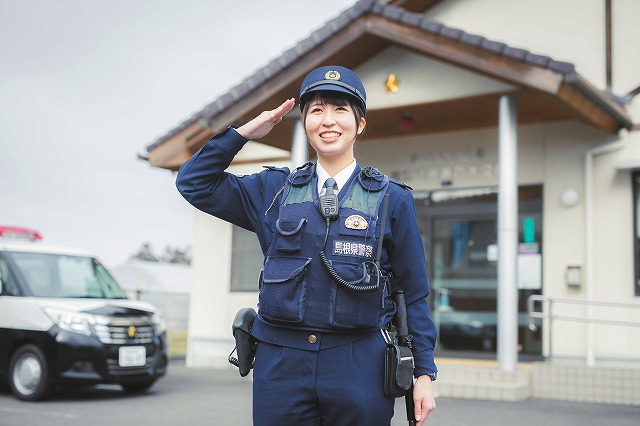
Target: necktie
<point>331,186</point>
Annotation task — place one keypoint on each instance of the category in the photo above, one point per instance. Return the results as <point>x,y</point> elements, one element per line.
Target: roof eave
<point>598,97</point>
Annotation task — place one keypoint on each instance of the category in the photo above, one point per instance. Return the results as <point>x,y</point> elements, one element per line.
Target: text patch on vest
<point>350,248</point>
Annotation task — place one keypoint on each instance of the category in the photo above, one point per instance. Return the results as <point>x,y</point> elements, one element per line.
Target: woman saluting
<point>324,294</point>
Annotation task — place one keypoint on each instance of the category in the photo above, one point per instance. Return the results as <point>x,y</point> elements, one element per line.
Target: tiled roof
<point>362,7</point>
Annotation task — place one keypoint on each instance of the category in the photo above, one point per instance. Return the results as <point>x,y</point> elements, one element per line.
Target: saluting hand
<point>262,124</point>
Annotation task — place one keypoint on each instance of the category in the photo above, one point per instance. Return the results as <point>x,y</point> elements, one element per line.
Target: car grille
<point>129,331</point>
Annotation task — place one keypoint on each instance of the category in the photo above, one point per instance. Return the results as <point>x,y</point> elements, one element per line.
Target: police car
<point>65,321</point>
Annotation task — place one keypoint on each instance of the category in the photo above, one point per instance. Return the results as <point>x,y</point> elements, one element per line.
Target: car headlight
<point>71,321</point>
<point>161,326</point>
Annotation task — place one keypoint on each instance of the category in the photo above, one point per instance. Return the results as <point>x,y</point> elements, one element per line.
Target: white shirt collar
<point>341,178</point>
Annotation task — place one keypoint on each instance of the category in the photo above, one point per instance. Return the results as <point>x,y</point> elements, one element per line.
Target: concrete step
<point>562,381</point>
<point>481,379</point>
<point>576,382</point>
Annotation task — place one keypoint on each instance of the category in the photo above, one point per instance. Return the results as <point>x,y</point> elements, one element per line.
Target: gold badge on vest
<point>356,222</point>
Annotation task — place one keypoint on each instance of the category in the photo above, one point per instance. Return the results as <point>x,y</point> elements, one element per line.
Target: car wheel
<point>137,387</point>
<point>29,374</point>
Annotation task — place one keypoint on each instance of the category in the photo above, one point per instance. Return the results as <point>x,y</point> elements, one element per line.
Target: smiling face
<point>332,123</point>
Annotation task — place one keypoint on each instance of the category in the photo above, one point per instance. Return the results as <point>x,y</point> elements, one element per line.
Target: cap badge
<point>332,75</point>
<point>356,222</point>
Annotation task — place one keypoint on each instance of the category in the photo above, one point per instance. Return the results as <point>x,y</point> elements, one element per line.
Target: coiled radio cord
<point>341,281</point>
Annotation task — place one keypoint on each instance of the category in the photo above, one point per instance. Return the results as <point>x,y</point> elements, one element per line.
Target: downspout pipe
<point>589,266</point>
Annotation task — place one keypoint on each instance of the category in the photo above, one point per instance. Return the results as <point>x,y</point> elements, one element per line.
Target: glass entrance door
<point>464,282</point>
<point>459,229</point>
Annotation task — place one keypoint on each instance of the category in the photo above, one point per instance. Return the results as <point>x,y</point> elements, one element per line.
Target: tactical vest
<point>296,290</point>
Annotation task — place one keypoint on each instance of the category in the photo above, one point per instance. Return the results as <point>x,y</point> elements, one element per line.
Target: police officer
<point>323,294</point>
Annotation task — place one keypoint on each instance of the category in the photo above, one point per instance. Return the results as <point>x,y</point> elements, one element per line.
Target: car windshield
<point>58,275</point>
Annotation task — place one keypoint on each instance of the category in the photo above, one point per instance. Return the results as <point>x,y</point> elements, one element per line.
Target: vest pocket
<point>349,310</point>
<point>289,235</point>
<point>282,289</point>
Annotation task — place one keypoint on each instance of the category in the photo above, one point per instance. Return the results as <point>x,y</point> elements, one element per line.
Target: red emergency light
<point>19,233</point>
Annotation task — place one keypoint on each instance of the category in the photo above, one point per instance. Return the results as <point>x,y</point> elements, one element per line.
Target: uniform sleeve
<point>203,182</point>
<point>408,264</point>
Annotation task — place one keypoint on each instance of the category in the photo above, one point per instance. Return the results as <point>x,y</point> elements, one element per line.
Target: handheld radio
<point>329,201</point>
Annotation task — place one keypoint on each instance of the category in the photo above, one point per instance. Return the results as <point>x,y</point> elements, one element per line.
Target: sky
<point>87,85</point>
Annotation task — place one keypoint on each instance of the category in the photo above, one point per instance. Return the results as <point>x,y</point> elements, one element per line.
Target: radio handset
<point>329,201</point>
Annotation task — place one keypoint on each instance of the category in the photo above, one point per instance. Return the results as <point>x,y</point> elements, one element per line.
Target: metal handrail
<point>541,315</point>
<point>549,315</point>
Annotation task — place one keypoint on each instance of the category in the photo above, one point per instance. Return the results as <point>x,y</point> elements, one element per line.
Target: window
<point>636,230</point>
<point>9,286</point>
<point>246,260</point>
<point>58,275</point>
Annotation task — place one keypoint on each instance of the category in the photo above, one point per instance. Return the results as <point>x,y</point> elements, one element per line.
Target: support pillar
<point>299,146</point>
<point>507,234</point>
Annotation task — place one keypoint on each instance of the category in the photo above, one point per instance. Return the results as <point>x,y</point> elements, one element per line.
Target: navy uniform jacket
<point>249,202</point>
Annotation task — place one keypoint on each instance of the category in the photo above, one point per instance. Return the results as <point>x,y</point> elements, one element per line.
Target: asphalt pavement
<point>188,396</point>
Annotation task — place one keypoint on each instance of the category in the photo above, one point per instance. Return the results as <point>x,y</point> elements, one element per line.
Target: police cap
<point>335,79</point>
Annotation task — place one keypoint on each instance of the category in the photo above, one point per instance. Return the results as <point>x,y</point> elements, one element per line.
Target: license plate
<point>132,356</point>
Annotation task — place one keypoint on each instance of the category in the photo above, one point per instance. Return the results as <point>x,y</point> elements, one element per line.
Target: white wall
<point>566,30</point>
<point>626,49</point>
<point>206,342</point>
<point>421,80</point>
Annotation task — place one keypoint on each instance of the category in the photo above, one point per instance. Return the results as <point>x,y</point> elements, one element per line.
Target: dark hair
<point>326,97</point>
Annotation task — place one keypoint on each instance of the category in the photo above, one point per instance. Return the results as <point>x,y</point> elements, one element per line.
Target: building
<point>516,123</point>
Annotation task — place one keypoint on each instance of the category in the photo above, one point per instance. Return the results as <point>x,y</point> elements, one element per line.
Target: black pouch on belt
<point>246,344</point>
<point>398,370</point>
